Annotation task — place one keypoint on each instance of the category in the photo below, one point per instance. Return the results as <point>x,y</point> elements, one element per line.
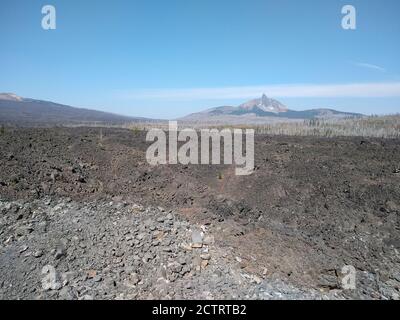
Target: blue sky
<point>165,59</point>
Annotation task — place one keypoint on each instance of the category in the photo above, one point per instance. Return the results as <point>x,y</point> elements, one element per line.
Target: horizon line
<point>350,90</point>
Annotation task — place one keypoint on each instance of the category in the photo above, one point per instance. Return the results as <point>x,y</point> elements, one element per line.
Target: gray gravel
<point>60,249</point>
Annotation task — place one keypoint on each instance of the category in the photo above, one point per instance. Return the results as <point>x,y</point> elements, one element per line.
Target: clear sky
<point>168,58</point>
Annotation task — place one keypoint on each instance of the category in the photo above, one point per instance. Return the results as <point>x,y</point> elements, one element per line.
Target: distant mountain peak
<point>10,97</point>
<point>265,104</point>
<point>26,111</point>
<point>263,110</point>
<point>264,99</point>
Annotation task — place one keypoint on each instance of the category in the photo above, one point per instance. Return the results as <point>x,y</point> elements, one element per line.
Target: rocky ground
<point>117,250</point>
<point>81,216</point>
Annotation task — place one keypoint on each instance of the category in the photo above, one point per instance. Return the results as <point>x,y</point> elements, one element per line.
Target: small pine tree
<point>135,130</point>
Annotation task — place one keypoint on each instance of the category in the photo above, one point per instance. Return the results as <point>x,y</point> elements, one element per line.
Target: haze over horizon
<point>169,59</point>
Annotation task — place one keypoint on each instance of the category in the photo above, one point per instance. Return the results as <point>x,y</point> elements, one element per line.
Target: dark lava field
<point>84,216</point>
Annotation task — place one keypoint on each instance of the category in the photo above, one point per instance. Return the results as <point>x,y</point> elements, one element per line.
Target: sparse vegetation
<point>101,135</point>
<point>382,127</point>
<point>101,138</point>
<point>373,126</point>
<point>136,129</point>
<point>2,130</point>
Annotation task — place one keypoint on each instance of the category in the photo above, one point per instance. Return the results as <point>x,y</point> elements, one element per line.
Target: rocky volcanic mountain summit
<point>10,97</point>
<point>265,104</point>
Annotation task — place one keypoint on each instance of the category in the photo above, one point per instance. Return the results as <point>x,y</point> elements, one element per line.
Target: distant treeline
<point>372,126</point>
